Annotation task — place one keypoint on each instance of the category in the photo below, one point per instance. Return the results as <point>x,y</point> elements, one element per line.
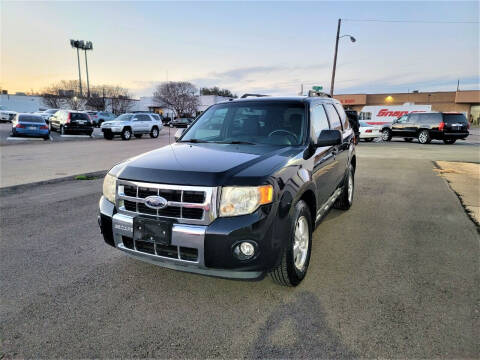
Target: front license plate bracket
<point>152,230</point>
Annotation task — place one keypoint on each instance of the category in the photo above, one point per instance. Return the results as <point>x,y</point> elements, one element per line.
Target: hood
<point>207,164</point>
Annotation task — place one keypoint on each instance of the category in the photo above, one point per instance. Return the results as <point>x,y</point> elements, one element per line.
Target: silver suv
<point>127,125</point>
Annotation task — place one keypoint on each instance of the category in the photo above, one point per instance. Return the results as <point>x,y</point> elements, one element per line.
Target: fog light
<point>247,249</point>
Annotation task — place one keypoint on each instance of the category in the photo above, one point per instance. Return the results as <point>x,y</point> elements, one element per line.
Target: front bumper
<point>213,244</point>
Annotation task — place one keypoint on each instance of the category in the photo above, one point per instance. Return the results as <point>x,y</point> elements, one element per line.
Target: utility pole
<point>332,83</point>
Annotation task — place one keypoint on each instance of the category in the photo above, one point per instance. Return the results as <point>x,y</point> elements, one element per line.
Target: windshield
<point>124,117</point>
<point>31,119</point>
<point>274,123</point>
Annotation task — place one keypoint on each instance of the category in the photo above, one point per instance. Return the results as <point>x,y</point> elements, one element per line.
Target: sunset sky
<point>267,47</point>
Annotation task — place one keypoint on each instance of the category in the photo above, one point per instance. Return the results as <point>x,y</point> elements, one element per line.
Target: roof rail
<point>251,95</point>
<point>313,93</point>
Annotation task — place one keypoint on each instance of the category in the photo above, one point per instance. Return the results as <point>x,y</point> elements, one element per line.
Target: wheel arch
<point>310,199</point>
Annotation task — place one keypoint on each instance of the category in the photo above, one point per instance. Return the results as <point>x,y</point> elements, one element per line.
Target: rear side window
<point>143,118</point>
<point>79,116</point>
<point>343,116</point>
<point>454,119</point>
<point>31,119</point>
<point>319,121</point>
<point>333,117</point>
<point>427,118</point>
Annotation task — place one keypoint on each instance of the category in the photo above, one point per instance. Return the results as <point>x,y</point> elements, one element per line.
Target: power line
<point>413,21</point>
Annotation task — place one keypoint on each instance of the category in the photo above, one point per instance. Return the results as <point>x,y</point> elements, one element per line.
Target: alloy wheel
<point>301,243</point>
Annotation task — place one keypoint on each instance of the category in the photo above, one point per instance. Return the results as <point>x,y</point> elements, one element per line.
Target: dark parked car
<point>181,122</point>
<point>239,194</point>
<point>426,127</point>
<point>71,121</point>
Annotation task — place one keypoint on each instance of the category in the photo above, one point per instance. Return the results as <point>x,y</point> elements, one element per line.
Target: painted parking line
<point>25,138</point>
<point>76,136</point>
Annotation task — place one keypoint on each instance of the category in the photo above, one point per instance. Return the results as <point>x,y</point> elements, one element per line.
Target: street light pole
<point>332,83</point>
<point>88,83</point>
<point>79,72</point>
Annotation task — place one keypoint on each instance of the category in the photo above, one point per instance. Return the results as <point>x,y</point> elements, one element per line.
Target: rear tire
<point>424,137</point>
<point>108,136</point>
<point>296,255</point>
<point>386,135</point>
<point>154,132</point>
<point>449,141</point>
<point>345,200</point>
<point>126,134</point>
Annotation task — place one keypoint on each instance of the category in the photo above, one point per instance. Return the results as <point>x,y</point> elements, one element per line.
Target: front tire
<point>154,132</point>
<point>424,137</point>
<point>126,134</point>
<point>296,256</point>
<point>345,200</point>
<point>386,135</point>
<point>449,141</point>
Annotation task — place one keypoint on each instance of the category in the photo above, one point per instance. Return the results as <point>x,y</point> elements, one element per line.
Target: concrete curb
<point>12,189</point>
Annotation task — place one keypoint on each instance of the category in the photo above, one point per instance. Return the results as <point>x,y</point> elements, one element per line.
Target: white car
<point>369,132</point>
<point>6,115</point>
<point>127,125</point>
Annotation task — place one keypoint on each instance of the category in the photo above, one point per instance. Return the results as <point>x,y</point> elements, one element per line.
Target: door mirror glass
<point>179,133</point>
<point>329,138</point>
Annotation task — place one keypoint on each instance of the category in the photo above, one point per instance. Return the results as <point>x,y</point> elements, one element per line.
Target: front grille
<point>169,251</point>
<point>188,204</point>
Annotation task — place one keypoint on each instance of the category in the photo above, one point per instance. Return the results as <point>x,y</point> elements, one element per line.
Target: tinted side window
<point>432,118</point>
<point>319,120</point>
<point>343,116</point>
<point>333,117</point>
<point>414,118</point>
<point>144,118</point>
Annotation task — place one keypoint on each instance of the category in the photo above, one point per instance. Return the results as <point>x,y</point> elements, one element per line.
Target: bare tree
<point>64,94</point>
<point>179,96</point>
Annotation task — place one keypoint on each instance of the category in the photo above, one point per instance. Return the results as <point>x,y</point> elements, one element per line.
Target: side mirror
<point>179,133</point>
<point>329,138</point>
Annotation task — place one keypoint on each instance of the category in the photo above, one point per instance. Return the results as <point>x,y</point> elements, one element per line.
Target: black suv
<point>239,193</point>
<point>426,127</point>
<point>71,121</point>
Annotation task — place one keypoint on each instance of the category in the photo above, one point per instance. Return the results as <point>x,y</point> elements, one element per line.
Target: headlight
<point>109,187</point>
<point>244,200</point>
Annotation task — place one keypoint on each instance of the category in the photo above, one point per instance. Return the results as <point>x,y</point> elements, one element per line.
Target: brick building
<point>467,101</point>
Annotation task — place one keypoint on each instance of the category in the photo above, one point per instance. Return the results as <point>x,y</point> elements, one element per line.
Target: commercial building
<point>467,102</point>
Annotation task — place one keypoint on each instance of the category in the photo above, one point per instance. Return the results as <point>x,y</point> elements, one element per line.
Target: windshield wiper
<point>196,141</point>
<point>235,142</point>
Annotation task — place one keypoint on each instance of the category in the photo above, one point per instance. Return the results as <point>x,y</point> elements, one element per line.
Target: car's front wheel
<point>126,134</point>
<point>296,256</point>
<point>424,137</point>
<point>108,136</point>
<point>386,135</point>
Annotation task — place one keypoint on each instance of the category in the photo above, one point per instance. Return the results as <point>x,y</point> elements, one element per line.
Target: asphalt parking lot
<point>396,276</point>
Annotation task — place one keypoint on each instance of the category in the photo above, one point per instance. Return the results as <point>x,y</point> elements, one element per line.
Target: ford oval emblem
<point>156,202</point>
